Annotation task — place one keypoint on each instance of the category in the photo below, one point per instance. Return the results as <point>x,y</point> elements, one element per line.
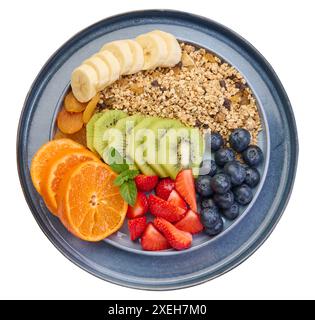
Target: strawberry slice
<point>178,239</point>
<point>140,208</point>
<point>153,240</point>
<point>146,183</point>
<point>164,188</point>
<point>136,227</point>
<point>185,186</point>
<point>175,199</point>
<point>190,223</point>
<point>161,208</point>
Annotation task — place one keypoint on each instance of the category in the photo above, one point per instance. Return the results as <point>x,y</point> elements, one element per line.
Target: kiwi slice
<point>90,131</point>
<point>107,120</point>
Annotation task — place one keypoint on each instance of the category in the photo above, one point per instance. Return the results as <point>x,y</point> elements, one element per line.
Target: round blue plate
<point>117,259</point>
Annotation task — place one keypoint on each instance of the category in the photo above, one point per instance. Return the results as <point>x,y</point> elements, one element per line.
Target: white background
<point>31,267</point>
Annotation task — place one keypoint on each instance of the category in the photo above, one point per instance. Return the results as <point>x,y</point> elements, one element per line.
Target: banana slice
<point>138,57</point>
<point>173,48</point>
<point>84,82</point>
<point>121,50</point>
<point>101,69</point>
<point>112,64</point>
<point>154,50</point>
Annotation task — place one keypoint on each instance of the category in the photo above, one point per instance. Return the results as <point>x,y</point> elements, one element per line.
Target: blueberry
<point>239,139</point>
<point>208,203</point>
<point>252,177</point>
<point>243,194</point>
<point>212,221</point>
<point>232,212</point>
<point>236,171</point>
<point>220,183</point>
<point>203,186</point>
<point>253,156</point>
<point>216,141</point>
<point>223,156</point>
<point>224,201</point>
<point>208,167</point>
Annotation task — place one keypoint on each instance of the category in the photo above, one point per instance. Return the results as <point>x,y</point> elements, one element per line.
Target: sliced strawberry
<point>185,186</point>
<point>140,208</point>
<point>146,183</point>
<point>178,239</point>
<point>190,223</point>
<point>175,199</point>
<point>164,188</point>
<point>136,227</point>
<point>153,240</point>
<point>161,208</point>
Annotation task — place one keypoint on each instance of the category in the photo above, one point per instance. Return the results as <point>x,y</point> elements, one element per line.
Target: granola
<point>201,91</point>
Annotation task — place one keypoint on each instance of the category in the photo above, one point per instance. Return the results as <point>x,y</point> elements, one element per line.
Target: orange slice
<point>56,169</point>
<point>69,122</point>
<point>44,154</point>
<point>72,104</point>
<point>89,204</point>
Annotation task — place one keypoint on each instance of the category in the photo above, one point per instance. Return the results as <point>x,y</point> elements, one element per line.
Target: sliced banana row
<point>124,57</point>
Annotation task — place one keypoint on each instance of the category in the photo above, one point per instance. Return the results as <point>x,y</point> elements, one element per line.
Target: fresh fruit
<point>90,108</point>
<point>176,200</point>
<point>174,51</point>
<point>243,194</point>
<point>56,169</point>
<point>239,139</point>
<point>216,141</point>
<point>208,167</point>
<point>102,71</point>
<point>252,177</point>
<point>146,183</point>
<point>153,240</point>
<point>154,50</point>
<point>190,223</point>
<point>161,208</point>
<point>137,57</point>
<point>140,208</point>
<point>232,212</point>
<point>69,122</point>
<point>236,171</point>
<point>208,203</point>
<point>212,221</point>
<point>178,239</point>
<point>253,156</point>
<point>89,204</point>
<point>223,156</point>
<point>71,104</point>
<point>136,227</point>
<point>112,64</point>
<point>224,201</point>
<point>220,183</point>
<point>185,186</point>
<point>44,154</point>
<point>121,50</point>
<point>84,81</point>
<point>203,186</point>
<point>90,130</point>
<point>164,188</point>
<point>107,120</point>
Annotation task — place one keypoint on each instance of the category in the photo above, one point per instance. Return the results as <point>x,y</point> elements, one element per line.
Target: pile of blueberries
<point>229,183</point>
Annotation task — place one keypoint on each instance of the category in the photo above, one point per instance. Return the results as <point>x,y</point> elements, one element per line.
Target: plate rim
<point>280,91</point>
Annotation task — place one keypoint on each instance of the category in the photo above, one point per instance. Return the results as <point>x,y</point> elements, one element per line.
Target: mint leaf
<point>116,161</point>
<point>119,168</point>
<point>125,176</point>
<point>128,191</point>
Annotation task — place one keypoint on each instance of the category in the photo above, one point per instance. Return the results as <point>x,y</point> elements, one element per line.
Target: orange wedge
<point>56,169</point>
<point>45,154</point>
<point>89,204</point>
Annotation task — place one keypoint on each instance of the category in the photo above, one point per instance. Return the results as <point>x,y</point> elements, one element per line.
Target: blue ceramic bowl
<point>117,259</point>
